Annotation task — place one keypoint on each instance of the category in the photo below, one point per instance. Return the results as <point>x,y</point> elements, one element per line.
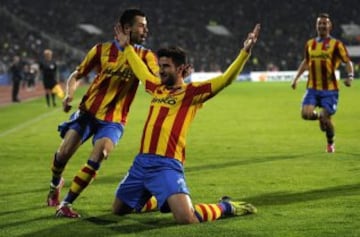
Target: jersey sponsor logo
<point>121,73</point>
<point>320,56</point>
<point>167,100</point>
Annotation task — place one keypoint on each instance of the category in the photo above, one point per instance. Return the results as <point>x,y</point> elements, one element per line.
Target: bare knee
<point>101,150</point>
<point>304,116</point>
<point>69,145</point>
<point>182,209</point>
<point>120,208</point>
<point>308,112</point>
<point>309,115</point>
<point>187,219</point>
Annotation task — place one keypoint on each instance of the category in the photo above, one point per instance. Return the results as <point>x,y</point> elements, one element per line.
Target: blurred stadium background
<point>212,31</point>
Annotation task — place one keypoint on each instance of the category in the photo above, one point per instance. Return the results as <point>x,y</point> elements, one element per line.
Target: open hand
<point>252,38</point>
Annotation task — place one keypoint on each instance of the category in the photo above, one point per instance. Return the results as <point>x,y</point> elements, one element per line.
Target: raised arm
<point>231,73</point>
<point>138,66</point>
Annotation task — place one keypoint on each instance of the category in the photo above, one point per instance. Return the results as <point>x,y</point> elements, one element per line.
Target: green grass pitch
<point>248,142</point>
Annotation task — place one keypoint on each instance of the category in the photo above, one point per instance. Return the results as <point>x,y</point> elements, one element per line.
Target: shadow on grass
<point>24,192</point>
<point>105,225</point>
<point>250,161</point>
<point>219,165</point>
<point>281,198</point>
<point>348,153</point>
<point>109,224</point>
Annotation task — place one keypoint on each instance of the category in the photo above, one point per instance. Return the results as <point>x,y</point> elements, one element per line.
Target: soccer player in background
<point>158,168</point>
<point>323,55</point>
<point>103,110</point>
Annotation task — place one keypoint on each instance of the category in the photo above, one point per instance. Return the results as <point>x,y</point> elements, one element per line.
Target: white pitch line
<point>14,129</point>
<point>22,125</point>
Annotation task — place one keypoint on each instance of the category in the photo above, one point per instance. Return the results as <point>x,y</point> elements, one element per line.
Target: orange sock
<point>208,212</point>
<point>82,179</point>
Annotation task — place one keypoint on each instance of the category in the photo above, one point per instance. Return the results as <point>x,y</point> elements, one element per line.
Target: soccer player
<point>103,110</point>
<point>158,168</point>
<point>323,55</point>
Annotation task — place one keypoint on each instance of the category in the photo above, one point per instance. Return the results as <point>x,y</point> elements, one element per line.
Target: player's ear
<point>126,28</point>
<point>182,69</point>
<point>179,68</point>
<point>186,70</point>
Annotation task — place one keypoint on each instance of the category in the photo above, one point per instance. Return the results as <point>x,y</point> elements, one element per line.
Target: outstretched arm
<point>231,73</point>
<point>137,65</point>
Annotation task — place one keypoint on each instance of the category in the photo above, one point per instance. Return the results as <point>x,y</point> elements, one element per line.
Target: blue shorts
<point>327,100</point>
<point>152,175</point>
<point>87,125</point>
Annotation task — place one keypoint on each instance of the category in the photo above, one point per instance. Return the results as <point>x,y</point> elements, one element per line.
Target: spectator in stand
<point>29,76</point>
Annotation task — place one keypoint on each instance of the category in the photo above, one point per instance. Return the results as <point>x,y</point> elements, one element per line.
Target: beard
<point>168,80</point>
<point>137,38</point>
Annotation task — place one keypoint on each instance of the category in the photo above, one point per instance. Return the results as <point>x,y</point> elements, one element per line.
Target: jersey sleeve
<point>141,70</point>
<point>90,62</point>
<point>306,51</point>
<point>220,82</point>
<point>152,63</point>
<point>209,88</point>
<point>343,53</point>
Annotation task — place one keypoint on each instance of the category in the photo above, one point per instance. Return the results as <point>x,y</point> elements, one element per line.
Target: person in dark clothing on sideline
<point>16,70</point>
<point>48,68</point>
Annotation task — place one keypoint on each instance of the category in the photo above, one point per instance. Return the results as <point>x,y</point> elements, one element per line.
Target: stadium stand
<point>30,26</point>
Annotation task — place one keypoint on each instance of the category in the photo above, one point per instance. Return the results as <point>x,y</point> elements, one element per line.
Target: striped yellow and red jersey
<point>112,91</point>
<point>172,110</point>
<point>323,57</point>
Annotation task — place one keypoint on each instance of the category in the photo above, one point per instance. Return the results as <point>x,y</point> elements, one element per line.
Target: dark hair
<point>129,15</point>
<point>177,54</point>
<point>324,15</point>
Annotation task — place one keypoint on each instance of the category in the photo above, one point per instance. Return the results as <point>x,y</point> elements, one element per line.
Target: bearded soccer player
<point>103,110</point>
<point>158,168</point>
<point>323,56</point>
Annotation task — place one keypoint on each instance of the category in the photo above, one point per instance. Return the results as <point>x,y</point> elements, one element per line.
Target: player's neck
<point>178,84</point>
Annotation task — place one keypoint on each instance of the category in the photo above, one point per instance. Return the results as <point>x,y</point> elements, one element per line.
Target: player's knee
<point>116,211</point>
<point>308,115</point>
<point>186,219</point>
<point>304,116</point>
<point>119,208</point>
